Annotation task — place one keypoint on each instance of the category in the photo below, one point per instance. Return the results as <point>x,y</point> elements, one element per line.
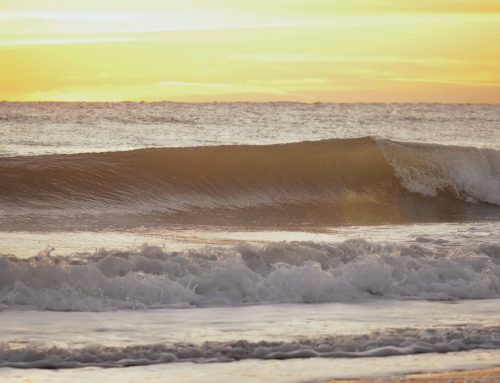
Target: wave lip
<point>297,272</point>
<point>471,174</point>
<point>404,341</point>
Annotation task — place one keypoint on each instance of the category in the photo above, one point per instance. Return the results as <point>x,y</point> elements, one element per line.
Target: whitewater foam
<point>389,342</point>
<point>472,174</point>
<point>296,272</point>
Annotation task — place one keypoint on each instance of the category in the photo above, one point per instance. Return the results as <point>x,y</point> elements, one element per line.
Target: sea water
<point>253,242</point>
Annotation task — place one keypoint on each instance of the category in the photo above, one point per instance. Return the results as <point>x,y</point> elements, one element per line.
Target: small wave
<point>383,343</point>
<point>296,272</point>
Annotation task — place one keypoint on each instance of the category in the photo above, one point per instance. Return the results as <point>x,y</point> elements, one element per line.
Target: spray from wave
<point>330,182</point>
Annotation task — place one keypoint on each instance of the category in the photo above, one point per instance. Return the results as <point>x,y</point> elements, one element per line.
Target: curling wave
<point>403,341</point>
<point>344,181</point>
<point>296,272</point>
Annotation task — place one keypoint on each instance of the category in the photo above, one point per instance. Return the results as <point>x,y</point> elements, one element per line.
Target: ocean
<point>249,242</point>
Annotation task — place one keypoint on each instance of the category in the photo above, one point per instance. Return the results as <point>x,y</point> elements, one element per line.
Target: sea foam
<point>296,272</point>
<point>389,342</point>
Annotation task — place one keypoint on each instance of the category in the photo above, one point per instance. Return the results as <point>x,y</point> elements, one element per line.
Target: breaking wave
<point>338,181</point>
<point>296,272</point>
<point>403,341</point>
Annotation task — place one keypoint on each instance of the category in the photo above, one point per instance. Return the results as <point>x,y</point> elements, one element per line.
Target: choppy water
<point>47,128</point>
<point>248,204</point>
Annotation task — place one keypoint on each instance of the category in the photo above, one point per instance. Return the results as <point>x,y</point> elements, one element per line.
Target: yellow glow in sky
<point>233,50</point>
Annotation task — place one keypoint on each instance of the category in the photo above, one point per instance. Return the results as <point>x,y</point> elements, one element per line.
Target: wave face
<point>383,343</point>
<point>297,272</point>
<point>345,181</point>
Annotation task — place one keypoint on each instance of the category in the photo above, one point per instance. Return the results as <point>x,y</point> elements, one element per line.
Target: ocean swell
<point>330,182</point>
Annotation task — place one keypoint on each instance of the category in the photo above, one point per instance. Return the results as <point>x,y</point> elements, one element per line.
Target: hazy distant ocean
<point>245,242</point>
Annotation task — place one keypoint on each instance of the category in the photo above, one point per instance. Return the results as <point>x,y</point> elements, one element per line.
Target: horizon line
<point>246,102</point>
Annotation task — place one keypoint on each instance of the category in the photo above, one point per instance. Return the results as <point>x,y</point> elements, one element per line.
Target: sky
<point>260,50</point>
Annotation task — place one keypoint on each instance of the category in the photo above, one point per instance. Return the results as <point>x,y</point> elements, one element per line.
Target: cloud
<point>65,15</point>
<point>31,22</point>
<point>196,84</point>
<point>342,59</point>
<point>268,86</point>
<point>257,82</point>
<point>94,22</point>
<point>62,41</point>
<point>448,82</point>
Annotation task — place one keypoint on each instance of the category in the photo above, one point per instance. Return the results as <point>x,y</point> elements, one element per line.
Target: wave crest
<point>471,174</point>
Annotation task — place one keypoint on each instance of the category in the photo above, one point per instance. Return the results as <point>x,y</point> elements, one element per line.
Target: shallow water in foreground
<point>280,371</point>
<point>370,338</point>
<point>362,335</point>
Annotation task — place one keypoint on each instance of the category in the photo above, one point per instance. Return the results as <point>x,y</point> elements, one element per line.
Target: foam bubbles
<point>389,342</point>
<point>296,272</point>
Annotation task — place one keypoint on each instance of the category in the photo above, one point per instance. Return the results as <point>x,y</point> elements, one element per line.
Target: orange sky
<point>228,50</point>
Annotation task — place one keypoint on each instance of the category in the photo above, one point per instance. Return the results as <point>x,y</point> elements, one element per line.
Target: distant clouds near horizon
<point>228,50</point>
